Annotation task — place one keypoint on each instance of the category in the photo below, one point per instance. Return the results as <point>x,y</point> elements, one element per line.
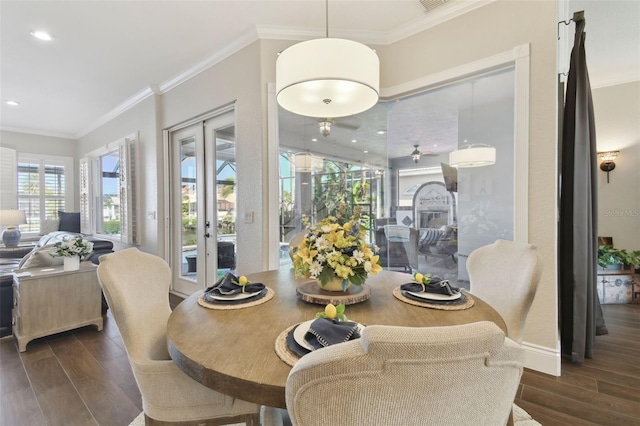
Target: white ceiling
<point>107,53</point>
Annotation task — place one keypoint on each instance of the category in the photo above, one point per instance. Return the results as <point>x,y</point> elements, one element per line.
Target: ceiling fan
<point>349,123</point>
<point>416,154</point>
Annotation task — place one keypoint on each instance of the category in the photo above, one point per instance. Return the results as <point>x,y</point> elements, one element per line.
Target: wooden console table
<point>51,300</point>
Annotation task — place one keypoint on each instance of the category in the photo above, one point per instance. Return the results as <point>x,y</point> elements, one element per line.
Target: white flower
<point>322,243</point>
<point>314,269</point>
<point>326,228</point>
<point>367,266</point>
<point>359,256</point>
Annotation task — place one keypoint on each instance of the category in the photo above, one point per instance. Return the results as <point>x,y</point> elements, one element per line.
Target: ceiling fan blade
<point>350,125</point>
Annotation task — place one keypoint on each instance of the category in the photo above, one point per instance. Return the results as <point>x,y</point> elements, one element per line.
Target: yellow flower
<point>343,271</point>
<point>372,267</point>
<point>306,255</point>
<point>347,227</point>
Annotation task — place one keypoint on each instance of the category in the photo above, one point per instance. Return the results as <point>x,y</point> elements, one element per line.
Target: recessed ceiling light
<point>314,140</point>
<point>353,141</point>
<point>382,132</point>
<point>11,103</point>
<point>41,35</point>
<point>365,151</point>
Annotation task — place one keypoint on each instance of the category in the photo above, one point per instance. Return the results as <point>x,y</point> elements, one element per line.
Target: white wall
<point>617,115</point>
<point>37,144</point>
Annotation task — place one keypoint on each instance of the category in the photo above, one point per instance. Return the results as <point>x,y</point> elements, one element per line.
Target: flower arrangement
<point>69,247</point>
<point>333,250</point>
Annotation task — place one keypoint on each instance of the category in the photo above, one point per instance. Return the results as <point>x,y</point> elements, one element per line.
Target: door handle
<point>207,224</point>
<point>207,235</point>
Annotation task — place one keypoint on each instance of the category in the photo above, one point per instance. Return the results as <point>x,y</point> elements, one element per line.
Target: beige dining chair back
<point>457,375</point>
<point>136,286</point>
<point>505,274</point>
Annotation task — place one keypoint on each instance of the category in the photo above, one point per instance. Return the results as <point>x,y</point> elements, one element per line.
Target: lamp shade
<point>306,162</point>
<point>327,77</point>
<point>12,217</point>
<point>473,156</point>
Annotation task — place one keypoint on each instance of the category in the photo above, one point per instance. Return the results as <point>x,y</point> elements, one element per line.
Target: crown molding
<point>437,16</point>
<point>621,78</point>
<point>126,105</point>
<point>238,44</point>
<point>38,132</point>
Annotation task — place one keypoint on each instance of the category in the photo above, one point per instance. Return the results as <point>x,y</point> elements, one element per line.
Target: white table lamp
<point>11,219</point>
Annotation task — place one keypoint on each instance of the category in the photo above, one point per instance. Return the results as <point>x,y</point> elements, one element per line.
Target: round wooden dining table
<point>233,351</point>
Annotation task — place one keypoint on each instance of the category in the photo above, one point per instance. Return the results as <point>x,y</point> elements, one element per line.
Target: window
<point>44,187</point>
<point>107,202</point>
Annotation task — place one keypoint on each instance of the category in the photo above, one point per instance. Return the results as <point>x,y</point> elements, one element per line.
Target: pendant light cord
<point>327,17</point>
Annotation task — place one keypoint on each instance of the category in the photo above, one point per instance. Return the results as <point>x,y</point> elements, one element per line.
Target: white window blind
<point>8,175</point>
<point>44,187</point>
<point>86,224</point>
<point>106,210</point>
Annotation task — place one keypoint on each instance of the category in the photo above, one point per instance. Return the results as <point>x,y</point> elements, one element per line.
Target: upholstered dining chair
<point>457,375</point>
<point>505,274</point>
<point>136,285</point>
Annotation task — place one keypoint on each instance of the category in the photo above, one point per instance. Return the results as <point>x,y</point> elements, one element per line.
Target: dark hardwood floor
<point>604,390</point>
<point>83,377</point>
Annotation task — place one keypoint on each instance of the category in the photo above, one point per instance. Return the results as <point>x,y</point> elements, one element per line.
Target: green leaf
<point>340,309</point>
<point>327,274</point>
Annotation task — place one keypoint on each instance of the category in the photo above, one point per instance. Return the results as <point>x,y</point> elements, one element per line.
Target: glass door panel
<point>187,149</point>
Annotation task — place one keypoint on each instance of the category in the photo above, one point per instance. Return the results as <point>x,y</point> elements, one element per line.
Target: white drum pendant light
<point>328,77</point>
<point>473,156</point>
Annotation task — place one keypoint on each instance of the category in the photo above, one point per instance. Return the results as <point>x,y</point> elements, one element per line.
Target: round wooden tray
<point>312,293</point>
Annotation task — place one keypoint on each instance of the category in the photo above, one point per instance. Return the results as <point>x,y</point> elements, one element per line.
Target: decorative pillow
<point>40,257</point>
<point>69,222</point>
<point>49,225</point>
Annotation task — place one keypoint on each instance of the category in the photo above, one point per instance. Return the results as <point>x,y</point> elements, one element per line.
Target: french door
<point>203,201</point>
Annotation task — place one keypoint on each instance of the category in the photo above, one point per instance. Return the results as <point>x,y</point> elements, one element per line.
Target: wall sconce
<point>607,164</point>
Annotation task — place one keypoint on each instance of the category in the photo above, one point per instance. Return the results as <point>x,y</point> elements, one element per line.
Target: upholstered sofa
<point>37,257</point>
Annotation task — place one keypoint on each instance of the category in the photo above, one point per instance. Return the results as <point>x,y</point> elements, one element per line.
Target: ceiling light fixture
<point>415,155</point>
<point>327,77</point>
<point>41,35</point>
<point>324,127</point>
<point>472,155</point>
<point>12,102</point>
<point>307,162</point>
<point>477,155</point>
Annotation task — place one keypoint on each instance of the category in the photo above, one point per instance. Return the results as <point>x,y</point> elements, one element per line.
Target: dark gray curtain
<point>580,311</point>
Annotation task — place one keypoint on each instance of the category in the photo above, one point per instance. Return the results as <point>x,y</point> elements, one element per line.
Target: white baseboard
<point>543,359</point>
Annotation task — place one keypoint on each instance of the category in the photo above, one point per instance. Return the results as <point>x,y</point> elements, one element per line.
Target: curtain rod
<point>577,17</point>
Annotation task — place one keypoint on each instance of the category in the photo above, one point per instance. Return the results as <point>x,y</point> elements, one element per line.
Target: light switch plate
<point>248,216</point>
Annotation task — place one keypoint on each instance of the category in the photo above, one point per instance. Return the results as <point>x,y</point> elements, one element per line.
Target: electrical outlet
<point>248,216</point>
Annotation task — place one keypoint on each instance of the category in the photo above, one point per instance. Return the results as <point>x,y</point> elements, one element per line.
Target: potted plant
<point>613,258</point>
<point>72,250</point>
